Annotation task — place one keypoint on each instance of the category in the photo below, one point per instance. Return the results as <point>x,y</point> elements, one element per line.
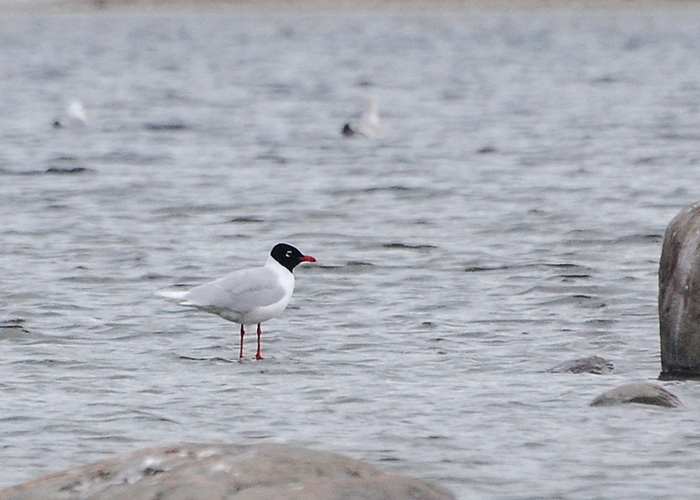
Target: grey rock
<point>591,364</point>
<point>638,392</point>
<point>240,472</point>
<point>679,295</point>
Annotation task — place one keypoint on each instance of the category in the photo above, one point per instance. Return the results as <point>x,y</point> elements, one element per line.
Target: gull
<point>75,115</point>
<point>248,296</point>
<point>367,124</point>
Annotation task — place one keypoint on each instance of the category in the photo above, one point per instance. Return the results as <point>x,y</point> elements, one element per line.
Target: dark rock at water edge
<point>640,393</point>
<point>69,170</point>
<point>165,127</point>
<point>240,472</point>
<point>592,364</point>
<point>679,295</point>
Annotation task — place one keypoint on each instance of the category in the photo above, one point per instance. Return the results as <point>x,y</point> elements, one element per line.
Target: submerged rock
<point>638,392</point>
<point>591,364</point>
<point>240,472</point>
<point>679,295</point>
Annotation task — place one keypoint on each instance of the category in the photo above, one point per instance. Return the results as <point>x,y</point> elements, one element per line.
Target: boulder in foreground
<point>240,472</point>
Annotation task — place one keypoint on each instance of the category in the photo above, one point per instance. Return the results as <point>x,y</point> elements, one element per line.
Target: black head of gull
<point>289,256</point>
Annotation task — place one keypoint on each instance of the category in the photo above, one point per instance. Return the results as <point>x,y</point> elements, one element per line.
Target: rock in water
<point>679,295</point>
<point>591,364</point>
<point>208,472</point>
<point>638,392</point>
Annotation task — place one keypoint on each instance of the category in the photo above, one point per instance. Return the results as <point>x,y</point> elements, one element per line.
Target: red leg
<point>240,356</point>
<point>258,355</point>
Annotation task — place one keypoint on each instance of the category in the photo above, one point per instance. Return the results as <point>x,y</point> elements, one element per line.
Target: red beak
<point>307,258</point>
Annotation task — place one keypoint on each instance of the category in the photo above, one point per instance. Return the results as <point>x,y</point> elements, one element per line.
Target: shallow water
<point>509,218</point>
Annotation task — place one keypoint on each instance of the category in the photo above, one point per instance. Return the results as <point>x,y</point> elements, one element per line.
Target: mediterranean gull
<point>248,296</point>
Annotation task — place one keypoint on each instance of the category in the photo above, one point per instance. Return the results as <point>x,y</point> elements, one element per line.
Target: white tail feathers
<point>177,296</point>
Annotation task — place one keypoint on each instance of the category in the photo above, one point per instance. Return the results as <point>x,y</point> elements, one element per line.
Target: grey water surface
<point>509,218</point>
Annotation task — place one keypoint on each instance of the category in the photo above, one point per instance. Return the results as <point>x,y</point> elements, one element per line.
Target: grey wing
<point>240,291</point>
